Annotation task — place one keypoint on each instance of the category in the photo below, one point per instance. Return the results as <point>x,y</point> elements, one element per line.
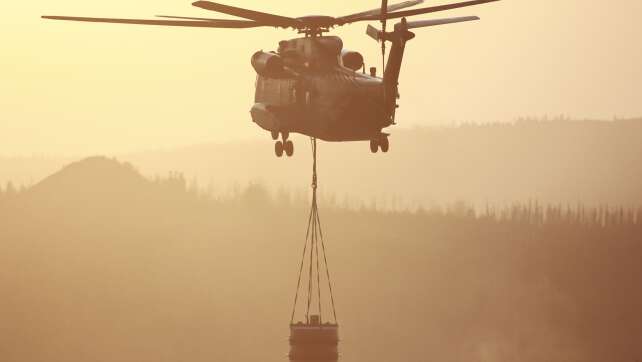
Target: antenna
<point>384,12</point>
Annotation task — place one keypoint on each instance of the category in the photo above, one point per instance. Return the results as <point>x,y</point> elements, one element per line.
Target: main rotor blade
<point>377,11</point>
<point>433,22</point>
<point>432,9</point>
<point>214,23</point>
<point>192,18</point>
<point>264,18</point>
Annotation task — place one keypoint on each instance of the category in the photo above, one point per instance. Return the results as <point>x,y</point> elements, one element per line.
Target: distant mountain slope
<point>92,177</point>
<point>565,162</point>
<point>94,193</point>
<point>555,162</point>
<point>92,183</point>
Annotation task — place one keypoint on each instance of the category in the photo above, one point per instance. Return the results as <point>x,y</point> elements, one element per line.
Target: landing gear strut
<point>381,143</point>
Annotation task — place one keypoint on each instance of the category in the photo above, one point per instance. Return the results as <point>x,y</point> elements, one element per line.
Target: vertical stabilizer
<point>398,38</point>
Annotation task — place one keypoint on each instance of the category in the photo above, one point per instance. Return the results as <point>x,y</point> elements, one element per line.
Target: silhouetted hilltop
<point>95,188</point>
<point>96,192</point>
<point>98,179</point>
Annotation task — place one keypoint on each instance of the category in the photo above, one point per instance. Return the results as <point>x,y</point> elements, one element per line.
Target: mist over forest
<point>144,215</point>
<point>556,161</point>
<point>100,263</point>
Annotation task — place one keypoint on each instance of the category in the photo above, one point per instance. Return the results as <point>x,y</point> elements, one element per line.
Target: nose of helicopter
<point>264,118</point>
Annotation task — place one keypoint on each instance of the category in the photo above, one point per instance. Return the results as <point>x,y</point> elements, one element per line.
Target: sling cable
<point>314,338</point>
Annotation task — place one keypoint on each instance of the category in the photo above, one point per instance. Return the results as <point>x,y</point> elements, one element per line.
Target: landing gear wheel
<point>384,144</point>
<point>284,135</point>
<point>288,146</point>
<point>278,148</point>
<point>374,146</point>
<point>275,135</point>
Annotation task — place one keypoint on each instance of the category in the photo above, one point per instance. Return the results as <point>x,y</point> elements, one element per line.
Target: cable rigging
<point>314,237</point>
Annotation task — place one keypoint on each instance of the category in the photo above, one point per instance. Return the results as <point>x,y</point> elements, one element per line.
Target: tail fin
<point>398,38</point>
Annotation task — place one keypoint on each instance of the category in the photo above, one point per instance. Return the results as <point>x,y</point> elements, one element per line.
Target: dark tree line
<point>142,264</point>
<point>256,195</point>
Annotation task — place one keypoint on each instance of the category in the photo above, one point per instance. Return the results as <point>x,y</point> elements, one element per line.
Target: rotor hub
<point>314,25</point>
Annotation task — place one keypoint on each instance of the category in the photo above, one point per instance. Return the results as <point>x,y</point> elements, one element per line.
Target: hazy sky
<point>89,88</point>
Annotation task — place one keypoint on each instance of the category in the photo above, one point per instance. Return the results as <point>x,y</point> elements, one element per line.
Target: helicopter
<point>311,85</point>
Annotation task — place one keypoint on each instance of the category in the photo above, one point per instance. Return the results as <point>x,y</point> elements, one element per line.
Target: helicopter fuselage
<point>311,85</point>
<point>306,87</point>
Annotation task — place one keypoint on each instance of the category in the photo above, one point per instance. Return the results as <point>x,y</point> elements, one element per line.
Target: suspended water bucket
<point>314,341</point>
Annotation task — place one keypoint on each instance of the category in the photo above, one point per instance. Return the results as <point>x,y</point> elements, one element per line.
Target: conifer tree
<point>10,190</point>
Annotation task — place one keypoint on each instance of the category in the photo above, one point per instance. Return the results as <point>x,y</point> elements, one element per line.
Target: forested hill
<point>99,263</point>
<point>560,162</point>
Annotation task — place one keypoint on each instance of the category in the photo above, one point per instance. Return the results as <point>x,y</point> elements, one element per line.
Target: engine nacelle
<point>267,64</point>
<point>351,59</point>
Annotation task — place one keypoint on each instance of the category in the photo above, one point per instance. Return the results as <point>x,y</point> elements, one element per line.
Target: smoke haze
<point>98,263</point>
<point>503,225</point>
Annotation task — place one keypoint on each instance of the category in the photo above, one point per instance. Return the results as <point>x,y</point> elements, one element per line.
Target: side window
<point>292,92</point>
<point>279,90</point>
<point>299,92</point>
